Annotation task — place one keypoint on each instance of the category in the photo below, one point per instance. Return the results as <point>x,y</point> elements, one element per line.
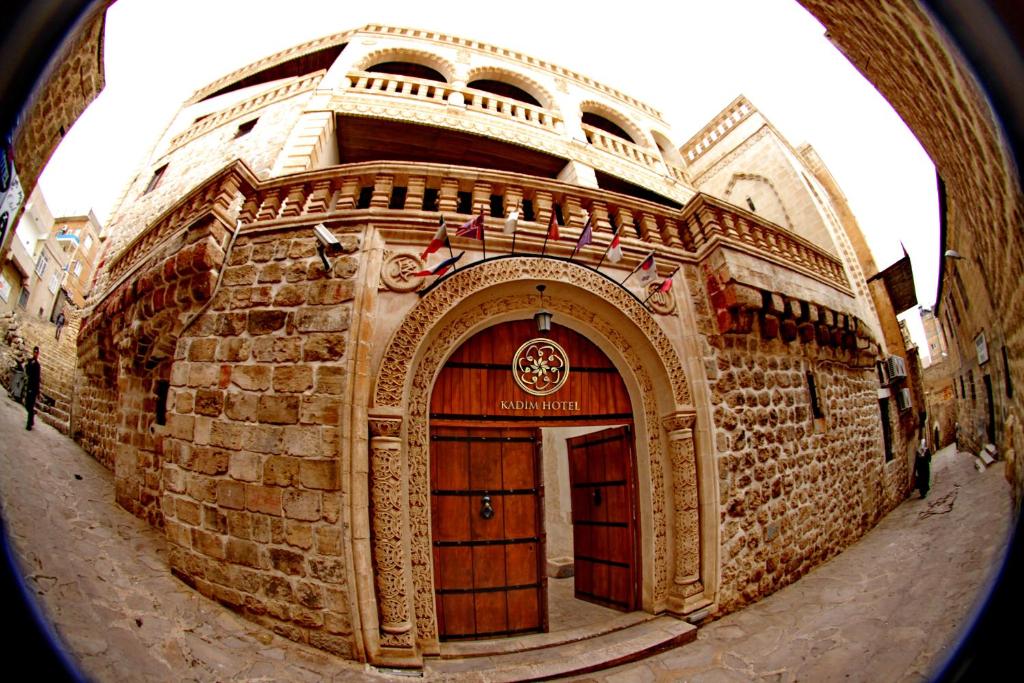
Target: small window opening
<point>158,174</point>
<point>429,199</point>
<point>970,383</point>
<point>557,208</point>
<point>397,198</point>
<point>497,206</point>
<point>1006,375</point>
<point>245,128</point>
<point>465,204</point>
<point>963,391</point>
<point>750,203</point>
<point>883,406</point>
<point>365,194</point>
<point>162,388</point>
<point>528,214</point>
<point>815,405</point>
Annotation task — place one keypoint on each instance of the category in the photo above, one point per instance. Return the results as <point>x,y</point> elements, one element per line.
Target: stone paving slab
<point>887,609</point>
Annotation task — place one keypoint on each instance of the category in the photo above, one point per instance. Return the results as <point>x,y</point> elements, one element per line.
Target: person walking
<point>922,468</point>
<point>60,323</point>
<point>32,386</point>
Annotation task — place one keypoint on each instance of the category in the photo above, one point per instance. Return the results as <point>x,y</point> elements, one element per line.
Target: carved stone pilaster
<point>389,523</point>
<point>686,580</point>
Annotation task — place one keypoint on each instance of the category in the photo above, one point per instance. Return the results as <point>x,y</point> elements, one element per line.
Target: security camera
<point>327,239</point>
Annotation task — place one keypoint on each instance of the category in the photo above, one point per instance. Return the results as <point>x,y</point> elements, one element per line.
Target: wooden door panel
<point>488,568</point>
<point>604,518</point>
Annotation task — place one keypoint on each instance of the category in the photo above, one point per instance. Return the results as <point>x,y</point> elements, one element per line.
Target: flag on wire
<point>586,237</point>
<point>648,269</point>
<point>442,267</point>
<point>473,228</point>
<point>512,221</point>
<point>440,240</point>
<point>615,249</point>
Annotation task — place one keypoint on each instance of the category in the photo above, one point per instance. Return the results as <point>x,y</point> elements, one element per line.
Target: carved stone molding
<point>389,554</point>
<point>399,272</point>
<point>407,340</point>
<point>679,427</point>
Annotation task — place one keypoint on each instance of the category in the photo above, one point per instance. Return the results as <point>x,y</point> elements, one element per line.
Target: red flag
<point>441,268</point>
<point>473,228</point>
<point>665,285</point>
<point>553,228</point>
<point>615,250</point>
<point>440,239</point>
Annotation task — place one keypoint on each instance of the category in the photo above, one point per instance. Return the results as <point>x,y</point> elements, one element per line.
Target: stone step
<point>603,651</point>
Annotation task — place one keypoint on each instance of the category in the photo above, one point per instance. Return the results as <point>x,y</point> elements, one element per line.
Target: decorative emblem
<point>540,367</point>
<point>399,272</point>
<point>662,303</point>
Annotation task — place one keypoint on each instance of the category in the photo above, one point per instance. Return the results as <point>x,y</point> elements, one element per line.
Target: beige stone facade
<point>906,54</point>
<point>273,417</point>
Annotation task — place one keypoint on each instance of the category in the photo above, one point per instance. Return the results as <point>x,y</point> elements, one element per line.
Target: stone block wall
<point>795,489</point>
<point>252,498</point>
<point>911,60</point>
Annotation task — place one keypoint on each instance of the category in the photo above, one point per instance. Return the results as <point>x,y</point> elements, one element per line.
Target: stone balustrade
<point>707,137</point>
<point>622,148</point>
<point>407,188</point>
<point>434,91</point>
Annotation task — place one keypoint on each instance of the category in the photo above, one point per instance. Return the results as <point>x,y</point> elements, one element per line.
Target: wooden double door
<point>487,493</point>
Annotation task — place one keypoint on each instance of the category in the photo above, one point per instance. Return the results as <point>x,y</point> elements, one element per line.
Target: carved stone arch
<point>669,152</point>
<point>753,177</point>
<point>515,78</point>
<point>503,290</point>
<point>401,54</point>
<point>618,118</point>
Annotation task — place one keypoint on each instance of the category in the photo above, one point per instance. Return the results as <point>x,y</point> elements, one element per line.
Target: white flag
<point>511,221</point>
<point>615,250</point>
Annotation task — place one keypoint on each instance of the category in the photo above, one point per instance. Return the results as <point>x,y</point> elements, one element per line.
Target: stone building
<point>907,50</point>
<point>367,452</point>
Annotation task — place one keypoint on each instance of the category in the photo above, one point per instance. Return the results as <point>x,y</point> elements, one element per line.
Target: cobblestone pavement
<point>887,609</point>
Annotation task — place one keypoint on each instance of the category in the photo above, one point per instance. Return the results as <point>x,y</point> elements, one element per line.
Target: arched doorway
<point>399,612</point>
<point>497,490</point>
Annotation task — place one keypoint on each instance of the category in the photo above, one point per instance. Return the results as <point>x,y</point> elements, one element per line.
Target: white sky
<point>688,59</point>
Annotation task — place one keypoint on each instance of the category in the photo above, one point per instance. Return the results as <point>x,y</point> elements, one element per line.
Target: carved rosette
<point>389,555</point>
<point>686,582</point>
<point>399,272</point>
<point>406,343</point>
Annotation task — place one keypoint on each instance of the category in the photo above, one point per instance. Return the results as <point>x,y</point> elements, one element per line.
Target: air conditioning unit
<point>903,399</point>
<point>895,367</point>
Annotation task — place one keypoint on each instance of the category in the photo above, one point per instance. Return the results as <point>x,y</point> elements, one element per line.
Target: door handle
<point>486,510</point>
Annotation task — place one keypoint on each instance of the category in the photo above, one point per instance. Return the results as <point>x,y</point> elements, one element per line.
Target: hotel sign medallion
<point>540,367</point>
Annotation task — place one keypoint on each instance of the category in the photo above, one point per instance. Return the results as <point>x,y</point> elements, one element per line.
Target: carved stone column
<point>686,581</point>
<point>390,540</point>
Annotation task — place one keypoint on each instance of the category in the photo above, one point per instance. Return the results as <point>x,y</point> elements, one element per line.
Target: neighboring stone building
<point>84,232</point>
<point>909,57</point>
<point>317,433</point>
<point>73,78</point>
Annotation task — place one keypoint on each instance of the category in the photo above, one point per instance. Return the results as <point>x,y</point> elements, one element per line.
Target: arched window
<point>610,127</point>
<point>504,90</point>
<point>408,69</point>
